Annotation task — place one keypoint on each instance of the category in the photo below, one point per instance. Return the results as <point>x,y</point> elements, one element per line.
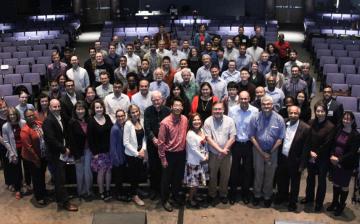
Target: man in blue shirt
<point>267,129</point>
<point>242,149</point>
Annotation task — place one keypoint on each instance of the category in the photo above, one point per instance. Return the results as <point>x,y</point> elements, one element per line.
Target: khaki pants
<point>223,164</point>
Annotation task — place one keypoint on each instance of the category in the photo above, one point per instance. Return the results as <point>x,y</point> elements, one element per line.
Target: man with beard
<point>292,61</point>
<point>203,73</point>
<point>142,98</point>
<point>101,66</point>
<point>230,53</point>
<point>56,68</point>
<point>335,109</point>
<point>116,100</point>
<point>153,57</point>
<point>112,58</point>
<point>244,59</point>
<point>78,74</point>
<point>254,51</point>
<point>90,65</point>
<point>294,85</point>
<point>275,93</point>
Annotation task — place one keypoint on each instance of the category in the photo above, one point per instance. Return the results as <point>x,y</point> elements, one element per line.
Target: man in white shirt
<point>133,61</point>
<point>178,77</point>
<point>219,86</point>
<point>78,74</point>
<point>142,98</point>
<point>105,88</point>
<point>230,53</point>
<point>231,74</point>
<point>175,55</point>
<point>161,49</point>
<point>116,100</point>
<point>254,51</point>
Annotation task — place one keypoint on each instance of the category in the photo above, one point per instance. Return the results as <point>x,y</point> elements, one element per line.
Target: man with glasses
<point>69,99</point>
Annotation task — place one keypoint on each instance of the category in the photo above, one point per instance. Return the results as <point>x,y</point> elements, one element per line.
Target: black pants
<point>173,174</point>
<point>5,163</point>
<point>155,168</point>
<point>60,180</point>
<point>318,169</point>
<point>38,178</point>
<point>241,168</point>
<point>135,168</point>
<point>15,174</point>
<point>27,172</point>
<point>288,174</point>
<point>119,174</point>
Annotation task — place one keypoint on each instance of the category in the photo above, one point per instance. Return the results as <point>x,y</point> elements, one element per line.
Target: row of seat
<point>14,79</point>
<point>340,60</point>
<point>26,61</point>
<point>22,69</point>
<point>37,47</point>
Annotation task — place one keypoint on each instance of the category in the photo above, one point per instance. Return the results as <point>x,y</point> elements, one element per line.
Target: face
<point>166,64</point>
<point>206,60</point>
<point>294,114</point>
<point>92,53</point>
<point>220,53</point>
<point>176,91</point>
<point>205,91</point>
<point>135,113</point>
<point>29,117</point>
<point>186,76</point>
<point>327,93</point>
<point>254,42</point>
<point>305,70</point>
<point>232,92</point>
<point>23,98</point>
<point>132,82</point>
<point>183,64</point>
<point>159,76</point>
<point>244,99</point>
<point>320,113</point>
<point>300,98</point>
<point>56,58</point>
<point>347,121</point>
<point>144,65</point>
<point>202,29</point>
<point>264,57</point>
<point>99,58</point>
<point>177,108</point>
<point>293,56</point>
<point>218,110</point>
<point>289,102</point>
<point>44,103</point>
<point>130,49</point>
<point>157,100</point>
<point>104,79</point>
<point>90,94</point>
<point>80,112</point>
<point>99,110</point>
<point>271,48</point>
<point>244,75</point>
<point>295,72</point>
<point>152,47</point>
<point>161,45</point>
<point>259,92</point>
<point>146,40</point>
<point>117,88</point>
<point>123,62</point>
<point>232,66</point>
<point>271,82</point>
<point>216,41</point>
<point>186,44</point>
<point>254,67</point>
<point>144,87</point>
<point>12,116</point>
<point>194,52</point>
<point>266,106</point>
<point>173,46</point>
<point>229,43</point>
<point>3,109</point>
<point>121,117</point>
<point>274,69</point>
<point>241,30</point>
<point>242,49</point>
<point>55,107</point>
<point>196,122</point>
<point>215,72</point>
<point>97,45</point>
<point>112,49</point>
<point>62,80</point>
<point>74,61</point>
<point>70,87</point>
<point>208,46</point>
<point>54,86</point>
<point>161,29</point>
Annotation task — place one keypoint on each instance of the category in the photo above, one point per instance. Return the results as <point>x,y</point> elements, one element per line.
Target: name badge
<point>330,113</point>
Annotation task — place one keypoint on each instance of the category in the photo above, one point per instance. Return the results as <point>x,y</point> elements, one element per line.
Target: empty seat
<point>12,100</point>
<point>39,47</point>
<point>6,90</point>
<point>33,78</point>
<point>9,70</point>
<point>39,68</point>
<point>354,54</point>
<point>44,60</point>
<point>339,53</point>
<point>48,52</point>
<point>10,49</point>
<point>21,69</point>
<point>327,60</point>
<point>355,91</point>
<point>4,55</point>
<point>11,61</point>
<point>357,62</point>
<point>318,46</point>
<point>12,79</point>
<point>35,54</point>
<point>336,47</point>
<point>60,42</point>
<point>25,48</point>
<point>19,54</point>
<point>27,61</point>
<point>340,87</point>
<point>345,61</point>
<point>357,120</point>
<point>348,69</point>
<point>335,78</point>
<point>353,79</point>
<point>352,47</point>
<point>330,68</point>
<point>323,52</point>
<point>349,103</point>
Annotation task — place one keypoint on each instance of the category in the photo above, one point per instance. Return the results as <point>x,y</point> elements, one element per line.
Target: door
<point>289,11</point>
<point>97,11</point>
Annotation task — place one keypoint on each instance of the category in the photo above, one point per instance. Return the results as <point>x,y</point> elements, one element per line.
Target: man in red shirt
<point>283,48</point>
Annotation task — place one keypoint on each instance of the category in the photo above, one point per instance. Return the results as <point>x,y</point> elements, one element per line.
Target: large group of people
<point>182,118</point>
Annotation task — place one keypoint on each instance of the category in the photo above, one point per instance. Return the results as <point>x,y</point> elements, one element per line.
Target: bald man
<point>54,128</point>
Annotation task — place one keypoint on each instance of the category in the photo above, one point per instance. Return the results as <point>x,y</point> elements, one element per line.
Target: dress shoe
<point>138,200</point>
<point>306,201</point>
<point>256,201</point>
<point>232,200</point>
<point>339,210</point>
<point>246,200</point>
<point>224,200</point>
<point>292,207</point>
<point>267,203</point>
<point>192,204</point>
<point>167,206</point>
<point>41,202</point>
<point>70,207</point>
<point>332,207</point>
<point>318,208</point>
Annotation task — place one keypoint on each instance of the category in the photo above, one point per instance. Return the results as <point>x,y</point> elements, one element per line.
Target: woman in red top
<point>202,103</point>
<point>33,150</point>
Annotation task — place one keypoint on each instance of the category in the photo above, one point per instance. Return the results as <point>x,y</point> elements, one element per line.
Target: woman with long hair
<point>177,91</point>
<point>194,60</point>
<point>43,102</point>
<point>202,103</point>
<point>304,104</point>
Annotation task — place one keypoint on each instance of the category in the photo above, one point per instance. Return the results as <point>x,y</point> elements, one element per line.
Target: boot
<point>335,200</point>
<point>341,207</point>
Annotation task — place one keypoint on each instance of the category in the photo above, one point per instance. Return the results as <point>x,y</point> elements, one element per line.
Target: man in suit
<point>54,135</point>
<point>335,109</point>
<point>69,99</point>
<point>221,60</point>
<point>292,158</point>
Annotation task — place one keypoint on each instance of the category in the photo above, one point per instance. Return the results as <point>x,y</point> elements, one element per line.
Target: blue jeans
<point>84,178</point>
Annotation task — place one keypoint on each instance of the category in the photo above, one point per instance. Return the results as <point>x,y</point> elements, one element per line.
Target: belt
<point>243,143</point>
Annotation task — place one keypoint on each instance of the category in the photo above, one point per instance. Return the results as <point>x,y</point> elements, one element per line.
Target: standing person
<point>256,77</point>
<point>12,141</point>
<point>135,149</point>
<point>90,96</point>
<point>267,130</point>
<point>345,159</point>
<point>142,98</point>
<point>78,74</point>
<point>98,131</point>
<point>334,108</point>
<point>194,60</point>
<point>34,151</point>
<point>201,38</point>
<point>153,115</point>
<point>171,145</point>
<point>159,83</point>
<point>283,47</point>
<point>117,154</point>
<point>294,84</point>
<point>69,99</point>
<point>242,155</point>
<point>196,158</point>
<point>54,128</point>
<point>220,134</point>
<point>3,150</point>
<point>116,100</point>
<point>321,140</point>
<point>202,103</point>
<point>292,158</point>
<point>23,103</point>
<point>79,148</point>
<point>42,107</point>
<point>304,104</point>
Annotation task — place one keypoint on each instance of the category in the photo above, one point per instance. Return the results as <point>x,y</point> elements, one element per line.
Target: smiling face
<point>218,110</point>
<point>196,122</point>
<point>121,117</point>
<point>320,113</point>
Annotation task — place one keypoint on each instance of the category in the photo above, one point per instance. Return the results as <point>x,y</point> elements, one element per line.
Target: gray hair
<point>156,93</point>
<point>267,98</point>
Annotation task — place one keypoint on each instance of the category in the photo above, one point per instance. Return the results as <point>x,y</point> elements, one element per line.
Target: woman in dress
<point>202,103</point>
<point>12,140</point>
<point>178,91</point>
<point>321,140</point>
<point>98,131</point>
<point>79,148</point>
<point>135,149</point>
<point>34,151</point>
<point>196,157</point>
<point>344,158</point>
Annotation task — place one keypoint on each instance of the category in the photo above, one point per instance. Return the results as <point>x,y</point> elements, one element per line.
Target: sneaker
<point>167,206</point>
<point>138,201</point>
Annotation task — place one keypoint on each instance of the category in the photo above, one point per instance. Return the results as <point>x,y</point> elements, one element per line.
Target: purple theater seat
<point>12,100</point>
<point>10,49</point>
<point>332,78</point>
<point>48,52</point>
<point>35,54</point>
<point>330,68</point>
<point>9,70</point>
<point>12,79</point>
<point>21,69</point>
<point>39,68</point>
<point>355,91</point>
<point>4,55</point>
<point>322,52</point>
<point>20,54</point>
<point>354,54</point>
<point>357,119</point>
<point>336,47</point>
<point>352,47</point>
<point>353,79</point>
<point>39,47</point>
<point>340,87</point>
<point>339,53</point>
<point>327,60</point>
<point>27,61</point>
<point>25,48</point>
<point>348,69</point>
<point>349,103</point>
<point>33,78</point>
<point>345,61</point>
<point>357,62</point>
<point>6,90</point>
<point>44,60</point>
<point>11,61</point>
<point>318,46</point>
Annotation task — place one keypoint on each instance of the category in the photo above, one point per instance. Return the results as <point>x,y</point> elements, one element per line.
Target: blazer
<point>76,138</point>
<point>299,146</point>
<point>130,140</point>
<point>9,139</point>
<point>66,104</point>
<point>349,160</point>
<point>54,136</point>
<point>335,112</point>
<point>225,65</point>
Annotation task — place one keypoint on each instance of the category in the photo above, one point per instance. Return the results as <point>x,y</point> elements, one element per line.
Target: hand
<point>14,159</point>
<point>67,151</point>
<point>266,156</point>
<point>334,160</point>
<point>155,141</point>
<point>95,156</point>
<point>164,164</point>
<point>313,154</point>
<point>206,158</point>
<point>141,154</point>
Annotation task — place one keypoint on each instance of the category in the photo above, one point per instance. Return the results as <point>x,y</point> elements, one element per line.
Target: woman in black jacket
<point>304,104</point>
<point>344,158</point>
<point>78,145</point>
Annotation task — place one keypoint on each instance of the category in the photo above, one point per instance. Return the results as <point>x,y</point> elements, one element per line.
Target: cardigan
<point>130,140</point>
<point>9,139</point>
<point>99,135</point>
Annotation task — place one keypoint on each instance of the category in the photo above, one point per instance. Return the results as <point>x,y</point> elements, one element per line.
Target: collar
<point>288,124</point>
